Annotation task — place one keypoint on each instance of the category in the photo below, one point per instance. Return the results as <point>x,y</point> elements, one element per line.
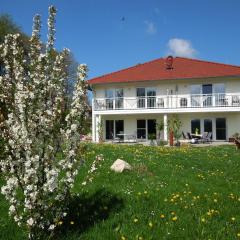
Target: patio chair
<point>192,140</point>
<point>184,136</point>
<point>209,137</point>
<point>204,137</point>
<point>237,143</point>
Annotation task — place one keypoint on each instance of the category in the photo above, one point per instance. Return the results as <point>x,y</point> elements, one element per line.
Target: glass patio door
<point>109,129</point>
<point>207,95</point>
<point>119,129</point>
<point>221,131</point>
<point>109,98</point>
<point>151,97</point>
<point>141,98</point>
<point>146,97</point>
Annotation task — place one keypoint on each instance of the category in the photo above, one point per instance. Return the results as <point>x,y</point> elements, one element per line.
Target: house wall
<point>232,85</point>
<point>130,121</point>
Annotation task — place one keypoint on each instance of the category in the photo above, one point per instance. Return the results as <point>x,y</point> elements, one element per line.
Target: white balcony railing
<point>169,101</point>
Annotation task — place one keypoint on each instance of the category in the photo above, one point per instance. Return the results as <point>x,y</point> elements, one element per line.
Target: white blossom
<point>36,133</point>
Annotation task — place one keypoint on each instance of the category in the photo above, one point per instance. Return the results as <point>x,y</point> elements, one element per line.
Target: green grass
<point>196,187</point>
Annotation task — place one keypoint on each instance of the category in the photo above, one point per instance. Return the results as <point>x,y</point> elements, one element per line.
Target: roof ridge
<point>123,69</point>
<point>212,62</point>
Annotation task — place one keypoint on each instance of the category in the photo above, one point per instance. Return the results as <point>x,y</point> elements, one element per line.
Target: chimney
<point>169,63</point>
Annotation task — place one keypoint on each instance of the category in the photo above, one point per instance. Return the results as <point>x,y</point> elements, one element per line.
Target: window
<point>220,128</point>
<point>196,90</point>
<point>113,128</point>
<point>119,128</point>
<point>141,97</point>
<point>109,94</point>
<point>196,126</point>
<point>109,129</point>
<point>219,88</point>
<point>118,98</point>
<point>146,97</point>
<point>151,127</point>
<point>145,128</point>
<point>207,125</point>
<point>207,93</point>
<point>141,129</point>
<point>219,92</point>
<point>114,98</point>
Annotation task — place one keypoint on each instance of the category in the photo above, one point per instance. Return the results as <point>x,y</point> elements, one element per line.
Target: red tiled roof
<point>156,70</point>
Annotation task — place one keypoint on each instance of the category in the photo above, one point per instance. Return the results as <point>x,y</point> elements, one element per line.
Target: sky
<point>109,35</point>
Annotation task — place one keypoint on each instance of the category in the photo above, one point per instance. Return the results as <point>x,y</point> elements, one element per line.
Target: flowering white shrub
<point>41,140</point>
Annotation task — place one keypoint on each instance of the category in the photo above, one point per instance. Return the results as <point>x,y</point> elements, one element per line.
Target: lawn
<point>171,193</point>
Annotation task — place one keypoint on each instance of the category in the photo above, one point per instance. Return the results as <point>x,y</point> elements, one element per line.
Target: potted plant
<point>234,136</point>
<point>152,137</point>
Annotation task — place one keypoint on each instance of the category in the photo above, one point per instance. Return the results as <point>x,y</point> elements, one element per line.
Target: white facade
<point>208,103</point>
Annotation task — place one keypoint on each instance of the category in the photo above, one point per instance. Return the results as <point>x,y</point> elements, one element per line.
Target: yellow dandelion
<point>238,234</point>
<point>135,220</point>
<point>60,222</point>
<point>233,219</point>
<point>173,213</point>
<point>123,238</point>
<point>174,218</point>
<point>203,220</point>
<point>145,192</point>
<point>162,216</point>
<point>72,222</point>
<point>215,200</point>
<point>150,224</point>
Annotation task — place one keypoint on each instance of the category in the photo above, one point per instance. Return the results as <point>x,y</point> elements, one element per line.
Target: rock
<point>120,165</point>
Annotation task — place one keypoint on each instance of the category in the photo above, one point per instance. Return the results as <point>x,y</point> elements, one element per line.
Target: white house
<point>205,95</point>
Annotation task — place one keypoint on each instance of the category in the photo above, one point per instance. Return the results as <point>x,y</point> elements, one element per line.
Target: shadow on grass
<point>87,210</point>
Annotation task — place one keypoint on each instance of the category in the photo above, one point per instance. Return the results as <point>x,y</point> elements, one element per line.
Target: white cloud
<point>150,27</point>
<point>181,48</point>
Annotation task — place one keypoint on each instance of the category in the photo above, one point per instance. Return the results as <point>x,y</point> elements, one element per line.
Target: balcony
<point>169,102</point>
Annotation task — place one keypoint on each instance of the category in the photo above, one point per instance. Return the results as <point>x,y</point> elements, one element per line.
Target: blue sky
<point>110,35</point>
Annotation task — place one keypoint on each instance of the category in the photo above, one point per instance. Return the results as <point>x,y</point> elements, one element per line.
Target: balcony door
<point>219,93</point>
<point>146,97</point>
<point>207,95</point>
<point>201,95</point>
<point>114,98</point>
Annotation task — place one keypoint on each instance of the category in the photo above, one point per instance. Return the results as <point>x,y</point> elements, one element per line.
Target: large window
<point>196,126</point>
<point>109,129</point>
<point>146,97</point>
<point>151,127</point>
<point>119,129</point>
<point>220,128</point>
<point>145,128</point>
<point>114,128</point>
<point>219,93</point>
<point>119,98</point>
<point>141,129</point>
<point>196,90</point>
<point>207,95</point>
<point>114,98</point>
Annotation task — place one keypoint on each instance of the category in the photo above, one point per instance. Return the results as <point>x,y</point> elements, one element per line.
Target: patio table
<point>124,135</point>
<point>198,136</point>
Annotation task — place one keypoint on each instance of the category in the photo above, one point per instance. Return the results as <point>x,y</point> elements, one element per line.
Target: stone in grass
<point>120,165</point>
